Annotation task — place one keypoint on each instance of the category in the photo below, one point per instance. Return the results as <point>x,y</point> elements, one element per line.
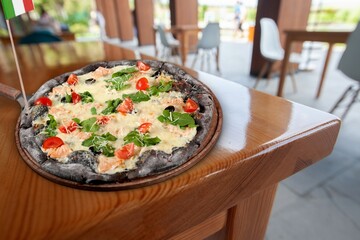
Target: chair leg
<point>208,56</point>
<point>353,100</point>
<point>217,53</point>
<point>269,73</point>
<point>163,53</point>
<point>341,99</point>
<point>202,61</point>
<point>261,74</point>
<point>292,75</point>
<point>195,59</point>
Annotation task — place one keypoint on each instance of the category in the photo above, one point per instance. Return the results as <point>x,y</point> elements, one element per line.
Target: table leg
<point>323,74</point>
<point>284,67</point>
<point>249,218</point>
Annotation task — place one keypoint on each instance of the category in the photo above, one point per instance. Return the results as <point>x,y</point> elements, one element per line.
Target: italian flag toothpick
<point>13,8</point>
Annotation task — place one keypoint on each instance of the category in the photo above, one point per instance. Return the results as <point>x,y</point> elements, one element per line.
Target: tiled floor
<point>321,202</point>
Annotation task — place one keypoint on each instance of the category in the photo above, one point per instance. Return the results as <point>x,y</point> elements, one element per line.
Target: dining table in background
<point>182,33</point>
<point>65,36</point>
<point>314,36</point>
<point>227,195</point>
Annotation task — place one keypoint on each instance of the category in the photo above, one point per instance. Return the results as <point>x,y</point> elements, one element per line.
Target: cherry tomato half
<point>102,120</point>
<point>142,66</point>
<point>126,106</point>
<point>190,106</point>
<point>45,101</point>
<point>72,79</point>
<point>144,128</point>
<point>69,128</point>
<point>126,152</point>
<point>142,84</point>
<point>75,97</point>
<point>52,142</point>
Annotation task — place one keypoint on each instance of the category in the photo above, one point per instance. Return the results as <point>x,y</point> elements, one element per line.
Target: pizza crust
<point>151,162</point>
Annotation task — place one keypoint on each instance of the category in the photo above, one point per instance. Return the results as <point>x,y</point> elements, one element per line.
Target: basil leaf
<point>108,150</point>
<point>76,120</point>
<point>165,86</point>
<point>100,143</point>
<point>177,119</point>
<point>124,71</point>
<point>119,83</point>
<point>141,140</point>
<point>162,87</point>
<point>51,128</point>
<point>93,111</point>
<point>151,141</point>
<point>111,106</point>
<point>89,125</point>
<point>108,136</point>
<point>86,97</point>
<point>119,79</point>
<point>68,98</point>
<point>137,97</point>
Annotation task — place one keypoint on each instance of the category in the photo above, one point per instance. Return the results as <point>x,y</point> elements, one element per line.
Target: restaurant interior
<point>282,161</point>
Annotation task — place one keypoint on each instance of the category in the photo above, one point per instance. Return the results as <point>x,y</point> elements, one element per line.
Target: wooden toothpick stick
<point>17,66</point>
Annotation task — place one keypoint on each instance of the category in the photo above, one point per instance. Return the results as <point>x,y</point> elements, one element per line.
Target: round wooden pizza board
<point>208,143</point>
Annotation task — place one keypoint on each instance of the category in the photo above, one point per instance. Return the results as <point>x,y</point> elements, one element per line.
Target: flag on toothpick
<point>13,8</point>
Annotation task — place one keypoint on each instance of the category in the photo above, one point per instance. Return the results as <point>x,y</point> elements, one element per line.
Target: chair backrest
<point>39,37</point>
<point>163,39</point>
<point>270,46</point>
<point>101,22</point>
<point>349,62</point>
<point>210,36</point>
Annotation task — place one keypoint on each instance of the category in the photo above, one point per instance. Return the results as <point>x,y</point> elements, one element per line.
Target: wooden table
<point>183,33</point>
<point>65,36</point>
<point>227,195</point>
<point>302,36</point>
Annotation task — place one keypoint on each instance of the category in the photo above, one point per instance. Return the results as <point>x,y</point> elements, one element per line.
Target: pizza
<point>114,122</point>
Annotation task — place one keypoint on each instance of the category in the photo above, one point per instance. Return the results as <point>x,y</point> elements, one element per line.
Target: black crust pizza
<point>113,122</point>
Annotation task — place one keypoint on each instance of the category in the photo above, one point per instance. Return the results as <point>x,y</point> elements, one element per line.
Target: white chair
<point>169,43</point>
<point>271,50</point>
<point>208,44</point>
<point>101,22</point>
<point>349,65</point>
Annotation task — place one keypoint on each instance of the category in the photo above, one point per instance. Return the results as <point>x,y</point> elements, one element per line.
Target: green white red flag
<point>13,8</point>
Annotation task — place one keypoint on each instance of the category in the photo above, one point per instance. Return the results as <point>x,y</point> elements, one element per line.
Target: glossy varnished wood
<point>65,36</point>
<point>264,140</point>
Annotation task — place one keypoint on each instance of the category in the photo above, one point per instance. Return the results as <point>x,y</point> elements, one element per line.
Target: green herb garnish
<point>137,97</point>
<point>100,143</point>
<point>88,125</point>
<point>93,111</point>
<point>51,128</point>
<point>68,98</point>
<point>86,97</point>
<point>119,79</point>
<point>111,106</point>
<point>162,87</point>
<point>140,139</point>
<point>124,71</point>
<point>177,119</point>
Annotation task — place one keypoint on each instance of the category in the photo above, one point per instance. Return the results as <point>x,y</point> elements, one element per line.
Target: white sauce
<point>119,125</point>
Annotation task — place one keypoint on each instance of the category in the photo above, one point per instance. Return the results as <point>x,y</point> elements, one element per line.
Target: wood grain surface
<point>264,140</point>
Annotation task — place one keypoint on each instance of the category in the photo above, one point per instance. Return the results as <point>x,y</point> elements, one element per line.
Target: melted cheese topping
<point>119,124</point>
